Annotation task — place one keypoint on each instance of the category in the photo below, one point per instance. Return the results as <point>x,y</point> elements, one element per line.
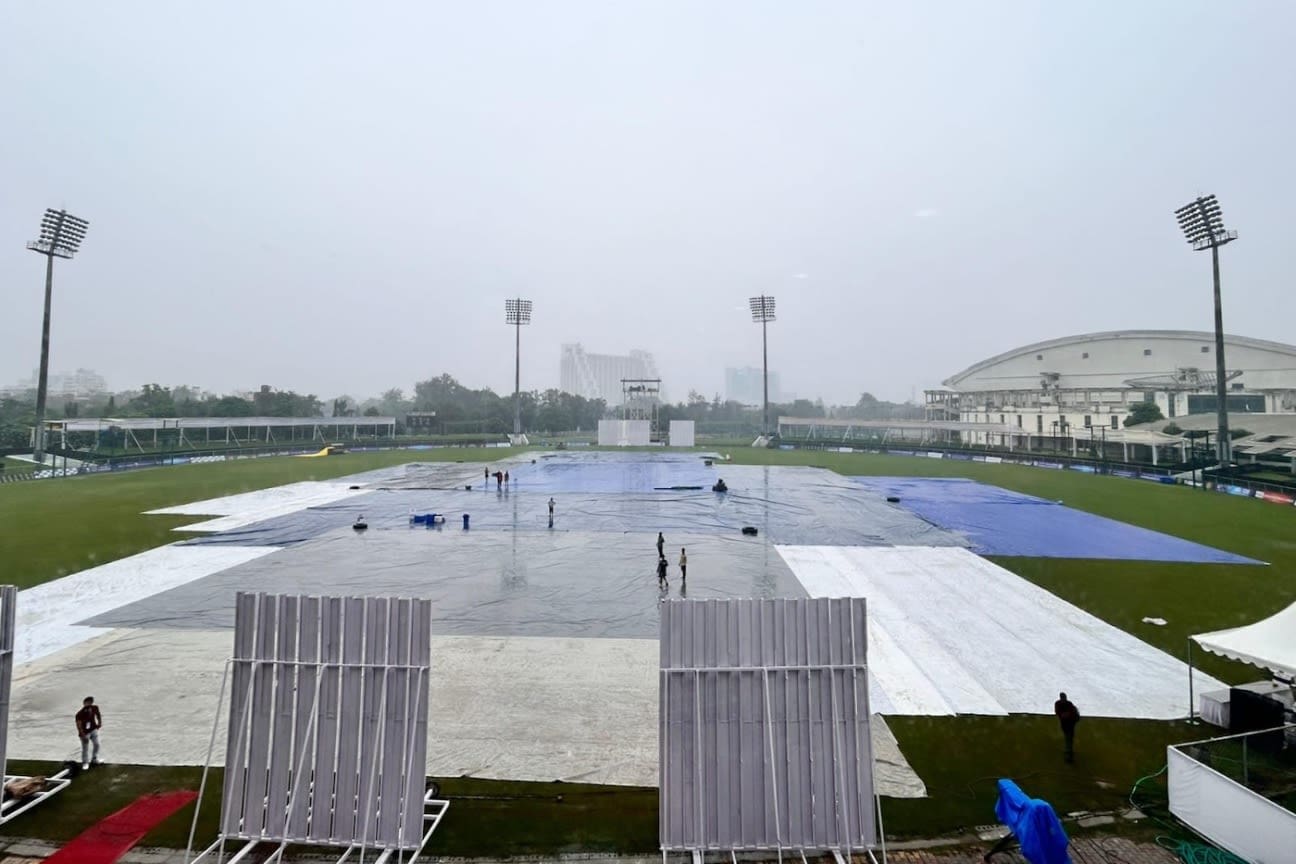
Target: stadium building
<point>1091,381</point>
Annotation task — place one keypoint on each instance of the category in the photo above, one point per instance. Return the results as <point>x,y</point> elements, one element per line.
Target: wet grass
<point>56,527</point>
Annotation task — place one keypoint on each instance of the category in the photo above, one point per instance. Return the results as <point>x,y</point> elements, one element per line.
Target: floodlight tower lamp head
<point>762,308</point>
<point>517,311</point>
<point>1202,222</point>
<point>61,234</point>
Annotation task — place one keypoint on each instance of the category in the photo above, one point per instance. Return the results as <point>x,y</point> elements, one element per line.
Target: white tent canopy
<point>1270,643</point>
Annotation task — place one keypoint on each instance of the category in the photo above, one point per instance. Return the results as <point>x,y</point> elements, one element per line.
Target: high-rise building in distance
<point>598,376</point>
<point>745,385</point>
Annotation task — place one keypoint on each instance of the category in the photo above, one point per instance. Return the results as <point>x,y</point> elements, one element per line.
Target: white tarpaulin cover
<point>1270,643</point>
<point>1244,823</point>
<point>247,508</point>
<point>48,614</point>
<point>951,633</point>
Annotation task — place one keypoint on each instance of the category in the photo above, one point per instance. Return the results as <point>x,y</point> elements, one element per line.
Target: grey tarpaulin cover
<point>338,687</point>
<point>764,731</point>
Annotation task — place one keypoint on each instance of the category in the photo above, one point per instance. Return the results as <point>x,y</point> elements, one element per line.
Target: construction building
<point>599,376</point>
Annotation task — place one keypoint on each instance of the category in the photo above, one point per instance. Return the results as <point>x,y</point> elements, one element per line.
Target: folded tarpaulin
<point>1034,824</point>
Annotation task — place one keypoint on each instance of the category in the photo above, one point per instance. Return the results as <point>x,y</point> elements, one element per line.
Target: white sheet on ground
<point>952,633</point>
<point>47,614</point>
<point>245,508</point>
<point>501,708</point>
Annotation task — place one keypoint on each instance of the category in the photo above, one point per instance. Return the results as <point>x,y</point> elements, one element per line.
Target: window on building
<point>1019,421</point>
<point>1084,356</point>
<point>1001,419</point>
<point>1039,424</point>
<point>1205,349</point>
<point>1115,422</point>
<point>1088,420</point>
<point>1147,352</point>
<point>1039,356</point>
<point>1238,385</point>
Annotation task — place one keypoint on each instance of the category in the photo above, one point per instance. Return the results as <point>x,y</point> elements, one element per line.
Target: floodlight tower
<point>61,234</point>
<point>1203,226</point>
<point>517,313</point>
<point>762,312</point>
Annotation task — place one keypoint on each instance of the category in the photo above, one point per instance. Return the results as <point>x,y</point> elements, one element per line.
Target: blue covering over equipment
<point>1034,824</point>
<point>998,522</point>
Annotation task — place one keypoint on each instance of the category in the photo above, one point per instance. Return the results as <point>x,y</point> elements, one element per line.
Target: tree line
<point>458,409</point>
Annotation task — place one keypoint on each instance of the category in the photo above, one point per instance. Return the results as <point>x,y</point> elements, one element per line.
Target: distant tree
<point>1172,429</point>
<point>371,412</point>
<point>111,407</point>
<point>153,400</point>
<point>1143,412</point>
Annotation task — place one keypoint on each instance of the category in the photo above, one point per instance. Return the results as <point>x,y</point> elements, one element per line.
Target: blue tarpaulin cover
<point>1033,823</point>
<point>997,521</point>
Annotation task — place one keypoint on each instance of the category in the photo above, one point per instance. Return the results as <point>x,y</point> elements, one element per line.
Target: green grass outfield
<point>59,526</point>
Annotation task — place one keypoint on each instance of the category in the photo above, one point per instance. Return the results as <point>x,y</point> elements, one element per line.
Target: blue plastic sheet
<point>593,493</point>
<point>997,521</point>
<point>1034,824</point>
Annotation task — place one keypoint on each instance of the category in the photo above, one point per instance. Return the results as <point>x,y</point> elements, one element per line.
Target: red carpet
<point>113,837</point>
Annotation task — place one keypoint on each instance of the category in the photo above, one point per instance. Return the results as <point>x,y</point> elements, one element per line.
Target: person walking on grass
<point>89,721</point>
<point>683,565</point>
<point>1068,716</point>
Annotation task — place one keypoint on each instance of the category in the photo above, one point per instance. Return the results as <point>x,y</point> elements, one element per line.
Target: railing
<point>1239,791</point>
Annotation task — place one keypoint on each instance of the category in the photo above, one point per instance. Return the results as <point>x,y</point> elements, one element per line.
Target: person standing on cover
<point>683,565</point>
<point>1068,716</point>
<point>89,721</point>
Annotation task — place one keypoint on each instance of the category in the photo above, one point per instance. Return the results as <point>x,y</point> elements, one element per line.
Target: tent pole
<point>1191,707</point>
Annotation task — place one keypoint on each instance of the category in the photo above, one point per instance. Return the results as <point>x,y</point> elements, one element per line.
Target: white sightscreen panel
<point>8,616</point>
<point>334,691</point>
<point>624,433</point>
<point>1249,826</point>
<point>764,734</point>
<point>681,433</point>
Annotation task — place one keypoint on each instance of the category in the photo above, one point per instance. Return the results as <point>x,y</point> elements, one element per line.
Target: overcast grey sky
<point>337,197</point>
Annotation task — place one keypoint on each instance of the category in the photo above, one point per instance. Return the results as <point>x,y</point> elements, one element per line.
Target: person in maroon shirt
<point>88,722</point>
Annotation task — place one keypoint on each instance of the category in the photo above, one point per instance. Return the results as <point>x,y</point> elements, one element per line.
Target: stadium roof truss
<point>14,806</point>
<point>764,731</point>
<point>259,429</point>
<point>328,729</point>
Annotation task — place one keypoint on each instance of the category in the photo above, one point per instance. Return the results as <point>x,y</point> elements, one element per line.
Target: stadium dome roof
<point>1190,344</point>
